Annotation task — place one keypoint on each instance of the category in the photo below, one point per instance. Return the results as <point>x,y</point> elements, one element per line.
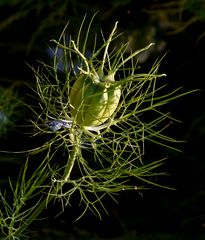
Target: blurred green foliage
<point>176,16</point>
<point>39,18</point>
<point>11,109</point>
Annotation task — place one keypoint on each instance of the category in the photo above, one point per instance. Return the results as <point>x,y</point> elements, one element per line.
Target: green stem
<point>70,163</point>
<point>82,56</point>
<point>44,203</point>
<point>107,46</point>
<point>132,56</point>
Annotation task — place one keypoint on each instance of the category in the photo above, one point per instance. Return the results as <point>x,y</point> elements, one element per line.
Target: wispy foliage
<point>91,161</point>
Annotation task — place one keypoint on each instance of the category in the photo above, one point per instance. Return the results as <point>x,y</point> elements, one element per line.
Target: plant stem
<point>52,194</point>
<point>70,163</point>
<point>107,46</point>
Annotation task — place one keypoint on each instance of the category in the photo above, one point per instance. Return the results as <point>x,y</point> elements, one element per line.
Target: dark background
<point>178,28</point>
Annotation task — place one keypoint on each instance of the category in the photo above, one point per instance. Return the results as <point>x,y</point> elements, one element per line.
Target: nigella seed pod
<point>93,102</point>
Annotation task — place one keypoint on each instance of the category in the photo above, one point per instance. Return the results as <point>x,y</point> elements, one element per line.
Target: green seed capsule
<point>92,103</point>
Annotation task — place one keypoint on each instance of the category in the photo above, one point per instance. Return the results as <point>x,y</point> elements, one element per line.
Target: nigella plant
<point>97,115</point>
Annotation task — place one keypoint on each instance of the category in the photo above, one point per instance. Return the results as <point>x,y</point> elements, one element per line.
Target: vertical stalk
<point>41,206</point>
<point>107,46</point>
<point>70,164</point>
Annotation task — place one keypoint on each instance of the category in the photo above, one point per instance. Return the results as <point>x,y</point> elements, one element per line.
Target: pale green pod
<point>93,102</point>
